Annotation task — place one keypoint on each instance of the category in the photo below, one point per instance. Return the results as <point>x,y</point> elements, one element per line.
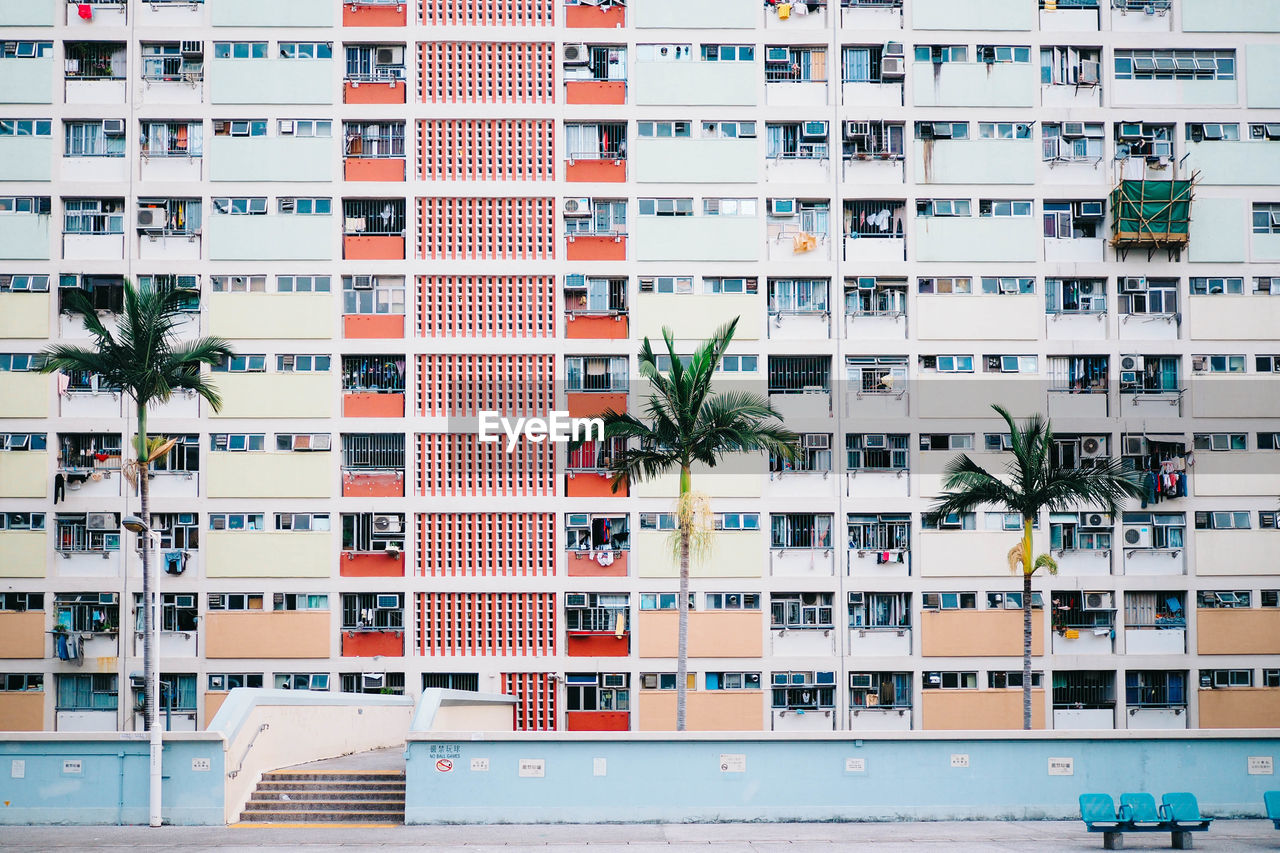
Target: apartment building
<point>402,214</point>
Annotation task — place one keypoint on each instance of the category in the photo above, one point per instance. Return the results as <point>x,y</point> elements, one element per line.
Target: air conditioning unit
<point>192,49</point>
<point>893,48</point>
<point>782,207</point>
<point>1135,445</point>
<point>1073,128</point>
<point>817,441</point>
<point>577,207</point>
<point>100,521</point>
<point>1090,209</point>
<point>874,441</point>
<point>777,55</point>
<point>866,282</point>
<point>1087,288</point>
<point>362,282</point>
<point>892,68</point>
<point>857,597</point>
<point>1161,148</point>
<point>1199,363</point>
<point>1132,362</point>
<point>286,127</point>
<point>113,127</point>
<point>388,56</point>
<point>1099,601</point>
<point>151,218</point>
<point>814,129</point>
<point>387,602</point>
<point>1093,447</point>
<point>646,284</point>
<point>614,679</point>
<point>1090,72</point>
<point>1138,536</point>
<point>1130,131</point>
<point>931,601</point>
<point>1095,519</point>
<point>576,54</point>
<point>860,680</point>
<point>575,599</point>
<point>856,129</point>
<point>1133,284</point>
<point>388,523</point>
<point>107,598</point>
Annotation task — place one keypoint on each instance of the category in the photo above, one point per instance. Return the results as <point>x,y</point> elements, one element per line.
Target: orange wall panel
<point>487,623</point>
<point>597,721</point>
<point>589,404</point>
<point>517,385</point>
<point>286,634</point>
<point>23,711</point>
<point>596,248</point>
<point>591,485</point>
<point>365,565</point>
<point>384,485</point>
<point>367,644</point>
<point>1239,707</point>
<point>595,17</point>
<point>366,326</point>
<point>596,171</point>
<point>958,710</point>
<point>582,327</point>
<point>212,702</point>
<point>1238,631</point>
<point>712,634</point>
<point>467,229</point>
<point>978,633</point>
<point>535,709</point>
<point>373,93</point>
<point>602,92</point>
<point>380,247</point>
<point>359,15</point>
<point>453,463</point>
<point>597,645</point>
<point>581,566</point>
<point>22,635</point>
<point>371,404</point>
<point>373,169</point>
<point>707,711</point>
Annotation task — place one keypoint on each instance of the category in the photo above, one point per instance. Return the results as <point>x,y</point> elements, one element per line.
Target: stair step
<point>327,796</point>
<point>304,785</point>
<point>353,805</point>
<point>320,776</point>
<point>321,817</point>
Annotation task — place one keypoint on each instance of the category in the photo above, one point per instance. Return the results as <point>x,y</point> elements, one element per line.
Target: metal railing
<point>381,374</point>
<point>373,217</point>
<point>373,451</point>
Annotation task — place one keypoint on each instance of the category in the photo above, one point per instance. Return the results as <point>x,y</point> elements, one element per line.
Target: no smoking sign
<point>444,765</point>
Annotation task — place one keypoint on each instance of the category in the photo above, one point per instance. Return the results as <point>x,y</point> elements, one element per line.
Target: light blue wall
<point>704,14</point>
<point>1217,230</point>
<point>679,161</point>
<point>696,238</point>
<point>1244,16</point>
<point>731,84</point>
<point>272,13</point>
<point>271,81</point>
<point>1266,247</point>
<point>28,13</point>
<point>24,237</point>
<point>1239,163</point>
<point>26,158</point>
<point>26,81</point>
<point>805,779</point>
<point>966,238</point>
<point>972,14</point>
<point>977,161</point>
<point>974,84</point>
<point>270,158</point>
<point>1262,73</point>
<point>112,785</point>
<point>271,238</point>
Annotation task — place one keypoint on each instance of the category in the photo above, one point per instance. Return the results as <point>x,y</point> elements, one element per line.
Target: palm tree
<point>143,358</point>
<point>686,422</point>
<point>1033,483</point>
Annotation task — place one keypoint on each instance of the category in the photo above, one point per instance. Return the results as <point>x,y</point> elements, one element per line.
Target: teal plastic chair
<point>1272,801</point>
<point>1140,810</point>
<point>1098,811</point>
<point>1182,813</point>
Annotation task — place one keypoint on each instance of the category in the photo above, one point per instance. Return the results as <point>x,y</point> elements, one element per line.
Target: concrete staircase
<point>319,796</point>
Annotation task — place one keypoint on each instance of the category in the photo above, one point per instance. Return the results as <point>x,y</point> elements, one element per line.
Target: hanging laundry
<point>85,10</point>
<point>784,11</point>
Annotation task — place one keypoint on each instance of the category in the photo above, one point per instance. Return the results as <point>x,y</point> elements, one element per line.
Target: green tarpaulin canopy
<point>1150,213</point>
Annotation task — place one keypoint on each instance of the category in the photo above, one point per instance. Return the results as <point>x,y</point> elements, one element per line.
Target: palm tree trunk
<point>144,492</point>
<point>682,603</point>
<point>1026,623</point>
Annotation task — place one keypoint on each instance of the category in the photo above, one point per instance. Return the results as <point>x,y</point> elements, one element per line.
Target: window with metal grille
<point>372,611</point>
<point>373,140</point>
<point>373,451</point>
<point>1084,689</point>
<point>389,683</point>
<point>797,374</point>
<point>87,692</point>
<point>86,611</point>
<point>888,533</point>
<point>1155,689</point>
<point>891,690</point>
<point>451,680</point>
<point>178,530</point>
<point>1155,610</point>
<point>95,60</point>
<point>886,610</point>
<point>877,452</point>
<point>373,217</point>
<point>801,691</point>
<point>801,610</point>
<point>21,602</point>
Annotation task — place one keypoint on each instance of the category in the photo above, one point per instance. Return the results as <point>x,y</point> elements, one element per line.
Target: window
<point>877,374</point>
<point>1154,530</point>
<point>12,682</point>
<point>1158,374</point>
<point>800,530</point>
<point>662,600</point>
<point>10,283</point>
<point>92,216</point>
<point>1011,364</point>
<point>592,295</point>
<point>164,61</point>
<point>25,204</point>
<point>239,283</point>
<point>663,129</point>
<point>88,139</point>
<point>303,442</point>
<point>803,691</point>
<point>950,681</point>
<point>875,297</point>
<point>21,602</point>
<point>1175,64</point>
<point>732,680</point>
<point>942,130</point>
<point>302,363</point>
<point>795,64</point>
<point>372,140</point>
<point>21,362</point>
<point>1006,285</point>
<point>799,374</point>
<point>1012,601</point>
<point>888,690</point>
<point>732,601</point>
<point>862,64</point>
<point>1075,295</point>
<point>596,613</point>
<point>1006,679</point>
<point>304,206</point>
<point>451,680</point>
<point>1155,689</point>
<point>943,207</point>
<point>87,692</point>
<point>606,374</point>
<point>240,206</point>
<point>1268,440</point>
<point>25,49</point>
<point>1072,142</point>
<point>595,455</point>
<point>990,53</point>
<point>865,139</point>
<point>941,53</point>
<point>728,53</point>
<point>729,206</point>
<point>237,442</point>
<point>876,452</point>
<point>664,52</point>
<point>372,294</point>
<point>950,285</point>
<point>596,141</point>
<point>712,285</point>
<point>950,601</point>
<point>790,141</point>
<point>237,601</point>
<point>1217,286</point>
<point>235,521</point>
<point>242,364</point>
<point>1069,611</point>
<point>289,601</point>
<point>389,683</point>
<point>301,680</point>
<point>372,611</point>
<point>367,63</point>
<point>178,530</point>
<point>178,611</point>
<point>1221,520</point>
<point>584,691</point>
<point>19,441</point>
<point>1266,219</point>
<point>1226,678</point>
<point>239,127</point>
<point>990,207</point>
<point>1003,130</point>
<point>665,206</point>
<point>88,533</point>
<point>667,284</point>
<point>801,610</point>
<point>180,216</point>
<point>1143,140</point>
<point>1063,65</point>
<point>1217,364</point>
<point>798,296</point>
<point>720,521</point>
<point>946,363</point>
<point>1154,610</point>
<point>891,610</point>
<point>812,455</point>
<point>368,532</point>
<point>219,681</point>
<point>373,452</point>
<point>1157,296</point>
<point>302,521</point>
<point>239,50</point>
<point>591,532</point>
<point>89,612</point>
<point>1266,130</point>
<point>1201,132</point>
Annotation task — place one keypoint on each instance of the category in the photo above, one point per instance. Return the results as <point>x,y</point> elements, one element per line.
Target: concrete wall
<point>1233,396</point>
<point>26,158</point>
<point>1236,552</point>
<point>696,238</point>
<point>103,779</point>
<point>970,553</point>
<point>710,14</point>
<point>271,315</point>
<point>974,84</point>
<point>964,238</point>
<point>1224,318</point>
<point>24,474</point>
<point>22,636</point>
<point>808,777</point>
<point>971,15</point>
<point>1262,73</point>
<point>36,13</point>
<point>736,554</point>
<point>22,712</point>
<point>679,161</point>
<point>1234,631</point>
<point>705,711</point>
<point>977,633</point>
<point>24,315</point>
<point>270,81</point>
<point>270,158</point>
<point>714,634</point>
<point>1217,230</point>
<point>23,236</point>
<point>696,316</point>
<point>730,84</point>
<point>271,475</point>
<point>976,161</point>
<point>275,395</point>
<point>27,80</point>
<point>1009,317</point>
<point>1239,708</point>
<point>23,553</point>
<point>1240,473</point>
<point>280,13</point>
<point>1238,163</point>
<point>949,710</point>
<point>268,554</point>
<point>285,634</point>
<point>1247,16</point>
<point>271,237</point>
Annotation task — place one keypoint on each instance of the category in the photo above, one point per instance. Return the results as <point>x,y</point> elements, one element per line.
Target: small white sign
<point>855,765</point>
<point>200,765</point>
<point>533,768</point>
<point>733,763</point>
<point>599,767</point>
<point>1261,765</point>
<point>479,765</point>
<point>72,765</point>
<point>1062,767</point>
<point>959,759</point>
<point>18,770</point>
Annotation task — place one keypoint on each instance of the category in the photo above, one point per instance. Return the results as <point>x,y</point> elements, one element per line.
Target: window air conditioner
<point>932,601</point>
<point>107,598</point>
<point>151,218</point>
<point>577,207</point>
<point>649,681</point>
<point>615,679</point>
<point>814,129</point>
<point>1132,362</point>
<point>575,599</point>
<point>386,56</point>
<point>892,68</point>
<point>1093,447</point>
<point>192,49</point>
<point>113,127</point>
<point>362,282</point>
<point>777,55</point>
<point>1199,363</point>
<point>576,54</point>
<point>386,523</point>
<point>100,521</point>
<point>874,441</point>
<point>866,282</point>
<point>942,129</point>
<point>782,207</point>
<point>860,680</point>
<point>857,129</point>
<point>1098,601</point>
<point>387,602</point>
<point>1138,536</point>
<point>1133,284</point>
<point>893,48</point>
<point>1130,131</point>
<point>1073,128</point>
<point>373,680</point>
<point>817,441</point>
<point>1090,209</point>
<point>286,127</point>
<point>1090,72</point>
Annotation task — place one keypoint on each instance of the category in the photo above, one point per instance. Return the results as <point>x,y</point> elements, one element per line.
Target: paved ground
<point>1039,836</point>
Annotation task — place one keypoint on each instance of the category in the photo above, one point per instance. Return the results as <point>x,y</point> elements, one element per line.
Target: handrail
<point>262,728</point>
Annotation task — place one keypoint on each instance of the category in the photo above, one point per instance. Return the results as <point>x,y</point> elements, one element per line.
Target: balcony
<point>595,92</point>
<point>795,641</point>
<point>880,642</point>
<point>737,554</point>
<point>373,229</point>
<point>385,86</point>
<point>95,72</point>
<point>251,634</point>
<point>24,236</point>
<point>1083,562</point>
<point>270,158</point>
<point>375,13</point>
<point>26,80</point>
<point>887,563</point>
<point>1165,637</point>
<point>595,246</point>
<point>270,475</point>
<point>1012,15</point>
<point>101,14</point>
<point>371,642</point>
<point>24,553</point>
<point>590,16</point>
<point>283,13</point>
<point>788,86</point>
<point>974,84</point>
<point>373,386</point>
<point>693,83</point>
<point>712,634</point>
<point>818,561</point>
<point>598,644</point>
<point>696,238</point>
<point>272,237</point>
<point>976,161</point>
<point>270,80</point>
<point>979,710</point>
<point>26,158</point>
<point>678,161</point>
<point>597,562</point>
<point>978,633</point>
<point>275,395</point>
<point>597,721</point>
<point>270,316</point>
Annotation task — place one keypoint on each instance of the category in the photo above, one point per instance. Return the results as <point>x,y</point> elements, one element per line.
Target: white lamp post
<point>151,664</point>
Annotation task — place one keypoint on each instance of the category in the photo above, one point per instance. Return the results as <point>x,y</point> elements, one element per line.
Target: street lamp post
<point>151,639</point>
